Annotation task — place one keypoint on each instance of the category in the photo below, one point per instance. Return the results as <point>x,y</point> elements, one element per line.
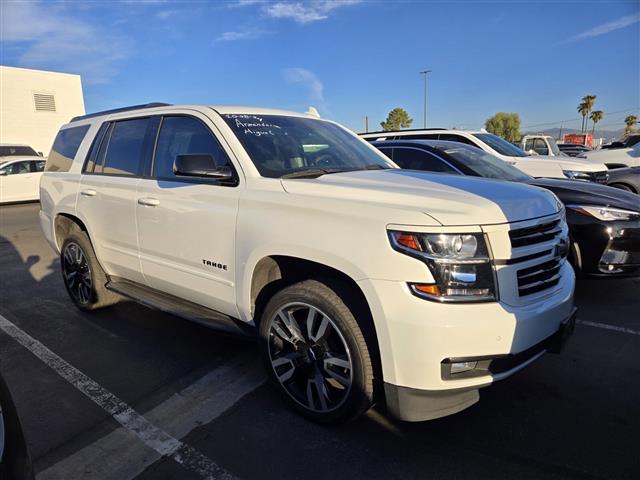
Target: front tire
<point>315,352</point>
<point>82,275</point>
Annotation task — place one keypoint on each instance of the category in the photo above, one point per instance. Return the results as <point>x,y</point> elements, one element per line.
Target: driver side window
<point>18,168</point>
<point>184,135</point>
<point>540,147</point>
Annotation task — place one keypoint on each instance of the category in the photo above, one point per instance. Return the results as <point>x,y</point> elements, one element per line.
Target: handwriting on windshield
<point>253,125</point>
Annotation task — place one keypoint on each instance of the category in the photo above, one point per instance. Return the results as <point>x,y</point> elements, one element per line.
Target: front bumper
<point>414,405</point>
<point>606,248</point>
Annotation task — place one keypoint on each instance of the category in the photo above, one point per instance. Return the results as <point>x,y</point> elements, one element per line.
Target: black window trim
<point>94,149</point>
<point>149,175</point>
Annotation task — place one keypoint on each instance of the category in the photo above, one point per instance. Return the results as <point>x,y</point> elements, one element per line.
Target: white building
<point>35,103</point>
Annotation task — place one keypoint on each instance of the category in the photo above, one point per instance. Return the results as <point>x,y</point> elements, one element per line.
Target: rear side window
<point>64,149</point>
<point>17,150</point>
<point>184,135</point>
<point>413,159</point>
<point>456,138</point>
<point>125,147</point>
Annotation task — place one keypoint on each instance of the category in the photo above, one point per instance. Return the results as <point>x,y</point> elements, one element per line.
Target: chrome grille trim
<point>533,235</point>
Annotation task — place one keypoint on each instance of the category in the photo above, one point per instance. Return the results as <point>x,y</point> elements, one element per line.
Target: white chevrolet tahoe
<point>363,282</point>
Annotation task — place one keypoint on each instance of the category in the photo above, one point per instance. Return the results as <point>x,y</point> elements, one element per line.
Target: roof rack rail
<point>402,131</point>
<point>122,109</point>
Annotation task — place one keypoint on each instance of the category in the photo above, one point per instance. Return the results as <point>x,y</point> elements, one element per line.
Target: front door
<point>187,224</point>
<point>17,182</point>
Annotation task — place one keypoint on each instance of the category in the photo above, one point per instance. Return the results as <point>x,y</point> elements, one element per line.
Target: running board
<point>150,297</point>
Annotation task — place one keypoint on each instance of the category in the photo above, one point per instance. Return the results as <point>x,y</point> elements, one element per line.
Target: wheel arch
<point>64,224</point>
<point>624,186</point>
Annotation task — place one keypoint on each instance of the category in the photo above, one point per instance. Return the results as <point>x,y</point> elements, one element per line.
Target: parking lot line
<point>152,436</point>
<point>606,326</point>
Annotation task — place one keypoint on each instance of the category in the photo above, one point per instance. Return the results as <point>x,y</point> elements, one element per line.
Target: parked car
<point>626,141</point>
<point>625,178</point>
<point>537,166</point>
<point>573,149</point>
<point>604,223</point>
<point>10,151</point>
<point>291,228</point>
<point>20,179</point>
<point>15,461</point>
<point>616,158</point>
<point>540,145</point>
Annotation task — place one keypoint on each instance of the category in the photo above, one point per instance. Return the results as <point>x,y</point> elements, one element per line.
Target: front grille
<point>539,277</point>
<point>600,177</point>
<point>537,234</point>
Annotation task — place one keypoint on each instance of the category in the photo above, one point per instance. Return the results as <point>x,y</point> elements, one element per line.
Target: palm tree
<point>631,121</point>
<point>596,116</point>
<point>584,111</point>
<point>589,101</point>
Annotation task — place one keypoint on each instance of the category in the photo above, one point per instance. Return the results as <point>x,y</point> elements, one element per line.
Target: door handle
<point>149,202</point>
<point>89,193</point>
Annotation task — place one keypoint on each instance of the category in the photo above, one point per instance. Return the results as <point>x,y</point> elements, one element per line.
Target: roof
<point>221,109</point>
<point>418,130</point>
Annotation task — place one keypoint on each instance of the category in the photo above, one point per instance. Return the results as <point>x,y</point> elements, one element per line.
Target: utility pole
<point>424,117</point>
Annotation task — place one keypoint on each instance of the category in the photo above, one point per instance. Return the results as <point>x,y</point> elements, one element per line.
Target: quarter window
<point>184,135</point>
<point>125,148</point>
<point>64,149</point>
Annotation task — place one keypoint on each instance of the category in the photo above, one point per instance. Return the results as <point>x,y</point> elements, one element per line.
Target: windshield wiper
<point>316,172</point>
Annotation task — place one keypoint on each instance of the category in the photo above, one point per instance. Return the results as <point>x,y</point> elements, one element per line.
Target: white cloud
<point>165,14</point>
<point>308,79</point>
<point>608,27</point>
<point>243,35</point>
<point>306,12</point>
<point>51,39</point>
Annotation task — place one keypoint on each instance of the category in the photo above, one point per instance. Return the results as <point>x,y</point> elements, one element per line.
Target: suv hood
<point>449,199</point>
<point>588,193</point>
<point>565,163</point>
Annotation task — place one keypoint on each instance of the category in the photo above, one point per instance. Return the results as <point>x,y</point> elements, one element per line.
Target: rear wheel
<point>316,353</point>
<point>82,274</point>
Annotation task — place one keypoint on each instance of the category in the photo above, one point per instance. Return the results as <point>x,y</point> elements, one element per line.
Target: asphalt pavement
<point>129,392</point>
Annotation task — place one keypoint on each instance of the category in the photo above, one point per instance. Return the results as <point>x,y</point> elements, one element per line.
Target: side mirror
<point>40,154</point>
<point>200,165</point>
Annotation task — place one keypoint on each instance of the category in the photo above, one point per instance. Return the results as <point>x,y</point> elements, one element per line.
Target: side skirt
<point>150,297</point>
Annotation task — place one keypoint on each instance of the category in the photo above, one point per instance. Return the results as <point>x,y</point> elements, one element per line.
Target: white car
<point>20,179</point>
<point>537,166</point>
<point>358,279</point>
<point>614,158</point>
<point>9,151</point>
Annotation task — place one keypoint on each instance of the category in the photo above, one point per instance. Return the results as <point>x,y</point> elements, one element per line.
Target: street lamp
<point>424,118</point>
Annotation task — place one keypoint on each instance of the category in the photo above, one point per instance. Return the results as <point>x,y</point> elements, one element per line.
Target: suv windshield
<point>17,151</point>
<point>282,145</point>
<point>500,145</point>
<point>484,164</point>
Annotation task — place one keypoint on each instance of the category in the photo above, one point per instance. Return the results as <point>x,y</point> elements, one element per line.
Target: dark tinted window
<point>414,159</point>
<point>387,151</point>
<point>456,138</point>
<point>126,144</point>
<point>95,147</point>
<point>64,149</point>
<point>38,166</point>
<point>500,145</point>
<point>18,168</point>
<point>184,135</point>
<point>17,151</point>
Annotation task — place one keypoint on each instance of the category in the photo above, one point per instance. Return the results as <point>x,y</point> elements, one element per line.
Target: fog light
<point>462,367</point>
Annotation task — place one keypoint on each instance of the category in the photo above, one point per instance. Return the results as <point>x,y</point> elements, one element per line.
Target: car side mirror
<point>200,165</point>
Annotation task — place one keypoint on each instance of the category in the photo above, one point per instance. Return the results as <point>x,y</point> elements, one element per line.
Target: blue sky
<point>348,58</point>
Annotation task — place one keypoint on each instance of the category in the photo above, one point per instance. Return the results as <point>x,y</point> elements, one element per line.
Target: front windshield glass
<point>500,145</point>
<point>282,145</point>
<point>17,151</point>
<point>484,164</point>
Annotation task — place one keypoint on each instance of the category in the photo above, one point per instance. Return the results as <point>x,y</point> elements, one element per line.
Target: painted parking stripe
<point>121,456</point>
<point>614,328</point>
<point>152,436</point>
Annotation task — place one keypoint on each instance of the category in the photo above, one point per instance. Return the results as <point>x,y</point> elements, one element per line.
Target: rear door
<point>187,225</point>
<point>107,196</point>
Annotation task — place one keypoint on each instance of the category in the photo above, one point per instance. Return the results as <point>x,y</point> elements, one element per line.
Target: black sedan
<point>604,222</point>
<point>625,178</point>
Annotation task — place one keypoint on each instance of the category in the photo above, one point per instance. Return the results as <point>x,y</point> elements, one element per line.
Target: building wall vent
<point>44,102</point>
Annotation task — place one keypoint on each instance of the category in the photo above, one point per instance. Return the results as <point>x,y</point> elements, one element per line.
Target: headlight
<point>576,175</point>
<point>459,263</point>
<point>606,214</point>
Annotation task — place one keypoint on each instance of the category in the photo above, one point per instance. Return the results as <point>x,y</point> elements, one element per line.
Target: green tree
<point>505,125</point>
<point>596,116</point>
<point>630,121</point>
<point>583,110</point>
<point>589,101</point>
<point>397,119</point>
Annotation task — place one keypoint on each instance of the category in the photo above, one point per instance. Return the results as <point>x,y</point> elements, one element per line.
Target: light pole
<point>424,118</point>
